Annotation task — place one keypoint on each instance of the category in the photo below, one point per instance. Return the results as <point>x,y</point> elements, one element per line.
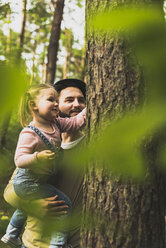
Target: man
<point>72,94</point>
<point>71,101</point>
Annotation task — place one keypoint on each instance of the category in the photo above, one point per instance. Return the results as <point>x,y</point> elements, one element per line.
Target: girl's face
<point>46,104</point>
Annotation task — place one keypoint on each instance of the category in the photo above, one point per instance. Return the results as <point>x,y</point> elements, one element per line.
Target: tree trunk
<point>65,65</point>
<point>83,65</point>
<point>22,32</point>
<point>68,52</point>
<point>9,31</point>
<point>124,214</point>
<point>33,63</point>
<point>44,65</point>
<point>54,40</point>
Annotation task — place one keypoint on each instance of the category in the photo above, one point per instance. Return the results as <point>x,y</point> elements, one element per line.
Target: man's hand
<point>52,207</point>
<point>45,155</point>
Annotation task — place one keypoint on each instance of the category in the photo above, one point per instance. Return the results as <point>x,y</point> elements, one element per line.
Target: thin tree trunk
<point>65,64</point>
<point>124,214</point>
<point>9,31</point>
<point>54,40</point>
<point>68,52</point>
<point>44,65</point>
<point>83,65</point>
<point>33,63</point>
<point>22,32</point>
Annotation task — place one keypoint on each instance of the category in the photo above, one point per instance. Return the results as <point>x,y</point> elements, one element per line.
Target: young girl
<point>36,154</point>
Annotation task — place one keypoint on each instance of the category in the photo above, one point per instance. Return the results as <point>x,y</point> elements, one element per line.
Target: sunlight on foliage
<point>4,217</point>
<point>12,85</point>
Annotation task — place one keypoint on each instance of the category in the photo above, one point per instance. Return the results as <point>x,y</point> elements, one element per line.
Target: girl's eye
<point>51,99</point>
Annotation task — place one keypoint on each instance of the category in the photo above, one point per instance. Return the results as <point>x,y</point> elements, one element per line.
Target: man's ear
<point>33,105</point>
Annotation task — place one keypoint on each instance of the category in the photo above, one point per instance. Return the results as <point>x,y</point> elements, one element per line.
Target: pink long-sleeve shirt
<point>29,143</point>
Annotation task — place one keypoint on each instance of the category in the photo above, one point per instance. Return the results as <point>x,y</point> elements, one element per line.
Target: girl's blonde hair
<point>25,111</point>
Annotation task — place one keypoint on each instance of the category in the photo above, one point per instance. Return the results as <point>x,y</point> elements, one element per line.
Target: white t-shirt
<point>67,146</point>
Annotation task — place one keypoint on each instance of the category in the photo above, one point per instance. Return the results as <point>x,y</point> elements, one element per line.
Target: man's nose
<point>76,103</point>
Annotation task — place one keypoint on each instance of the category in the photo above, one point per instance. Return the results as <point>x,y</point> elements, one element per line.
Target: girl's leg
<point>14,229</point>
<point>23,246</point>
<point>58,239</point>
<point>16,223</point>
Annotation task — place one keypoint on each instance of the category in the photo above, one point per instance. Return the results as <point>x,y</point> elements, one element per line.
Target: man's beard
<point>63,115</point>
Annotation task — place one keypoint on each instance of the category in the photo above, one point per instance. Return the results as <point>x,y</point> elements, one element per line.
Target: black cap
<point>70,82</point>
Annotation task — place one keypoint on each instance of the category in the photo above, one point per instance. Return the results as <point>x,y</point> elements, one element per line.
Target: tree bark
<point>9,31</point>
<point>68,51</point>
<point>123,214</point>
<point>54,40</point>
<point>22,32</point>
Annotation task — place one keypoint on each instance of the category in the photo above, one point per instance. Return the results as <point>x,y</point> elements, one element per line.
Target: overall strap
<point>45,140</point>
<point>59,127</point>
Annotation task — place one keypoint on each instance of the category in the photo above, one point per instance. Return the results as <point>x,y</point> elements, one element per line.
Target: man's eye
<point>81,101</point>
<point>69,100</point>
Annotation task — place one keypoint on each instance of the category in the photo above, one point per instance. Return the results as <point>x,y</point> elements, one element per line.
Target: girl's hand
<point>45,155</point>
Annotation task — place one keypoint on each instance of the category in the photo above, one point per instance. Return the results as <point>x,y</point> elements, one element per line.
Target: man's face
<point>71,102</point>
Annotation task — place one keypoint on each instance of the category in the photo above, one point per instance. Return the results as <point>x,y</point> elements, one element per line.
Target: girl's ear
<point>33,105</point>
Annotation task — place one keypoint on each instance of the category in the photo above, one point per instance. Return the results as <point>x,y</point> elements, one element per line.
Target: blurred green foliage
<point>12,85</point>
<point>13,82</point>
<point>126,18</point>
